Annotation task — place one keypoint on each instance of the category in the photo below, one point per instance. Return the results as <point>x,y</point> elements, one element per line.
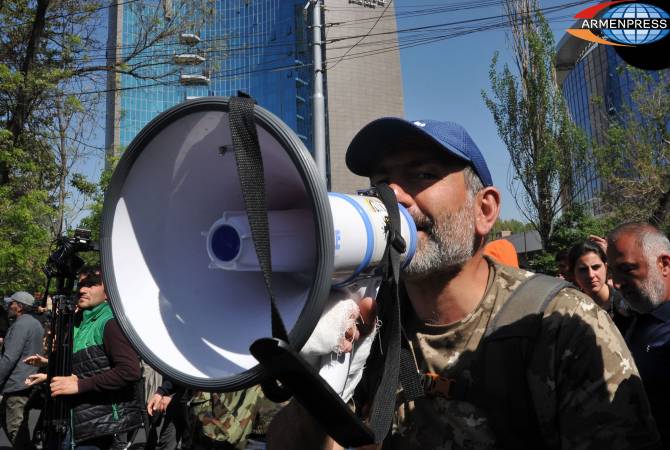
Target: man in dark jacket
<point>23,338</point>
<point>105,369</point>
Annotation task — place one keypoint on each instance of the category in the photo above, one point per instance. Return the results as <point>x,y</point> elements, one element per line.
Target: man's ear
<point>487,208</point>
<point>663,262</point>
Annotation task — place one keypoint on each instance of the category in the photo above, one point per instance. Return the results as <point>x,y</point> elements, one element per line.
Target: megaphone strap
<point>250,169</point>
<point>409,372</point>
<point>398,362</point>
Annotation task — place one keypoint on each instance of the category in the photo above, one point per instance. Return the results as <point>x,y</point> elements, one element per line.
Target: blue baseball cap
<point>371,143</point>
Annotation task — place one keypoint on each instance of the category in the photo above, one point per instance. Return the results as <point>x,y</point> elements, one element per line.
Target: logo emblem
<point>622,23</point>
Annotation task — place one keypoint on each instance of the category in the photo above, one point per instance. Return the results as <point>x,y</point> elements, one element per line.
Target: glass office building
<point>254,46</point>
<point>597,88</point>
<point>262,47</point>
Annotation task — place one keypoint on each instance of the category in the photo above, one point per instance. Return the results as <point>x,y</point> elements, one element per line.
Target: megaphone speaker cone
<point>174,217</point>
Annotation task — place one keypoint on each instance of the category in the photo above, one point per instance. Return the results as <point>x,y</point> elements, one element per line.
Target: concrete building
<point>363,77</point>
<point>262,47</point>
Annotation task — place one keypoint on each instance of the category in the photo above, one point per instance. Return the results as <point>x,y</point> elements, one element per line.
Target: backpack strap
<point>530,298</point>
<point>500,369</point>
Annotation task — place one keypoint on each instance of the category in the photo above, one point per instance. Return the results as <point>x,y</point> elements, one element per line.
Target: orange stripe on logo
<point>590,13</point>
<point>587,35</point>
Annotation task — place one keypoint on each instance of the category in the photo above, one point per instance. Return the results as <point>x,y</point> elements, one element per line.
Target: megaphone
<point>178,258</point>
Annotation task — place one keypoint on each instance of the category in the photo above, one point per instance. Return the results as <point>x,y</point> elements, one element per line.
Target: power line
<point>361,39</point>
<point>246,36</point>
<point>420,38</point>
<point>291,42</point>
<point>416,41</point>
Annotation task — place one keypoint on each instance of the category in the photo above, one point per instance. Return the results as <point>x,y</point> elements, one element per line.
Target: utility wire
<point>238,75</point>
<point>246,36</point>
<point>361,39</point>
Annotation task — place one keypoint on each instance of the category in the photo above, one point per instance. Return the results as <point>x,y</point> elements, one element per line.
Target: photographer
<point>24,338</point>
<point>105,368</point>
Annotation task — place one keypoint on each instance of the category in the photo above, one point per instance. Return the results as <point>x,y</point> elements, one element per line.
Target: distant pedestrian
<point>171,400</point>
<point>563,266</point>
<point>588,263</point>
<point>24,338</point>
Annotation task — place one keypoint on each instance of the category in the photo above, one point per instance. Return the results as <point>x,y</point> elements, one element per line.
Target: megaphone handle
<point>313,393</point>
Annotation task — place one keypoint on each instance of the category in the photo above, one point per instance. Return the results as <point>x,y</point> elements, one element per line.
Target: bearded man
<point>639,257</point>
<point>558,377</point>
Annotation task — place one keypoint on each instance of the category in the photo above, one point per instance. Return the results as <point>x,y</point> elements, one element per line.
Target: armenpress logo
<point>622,23</point>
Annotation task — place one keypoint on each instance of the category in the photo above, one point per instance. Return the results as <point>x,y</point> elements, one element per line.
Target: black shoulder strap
<point>276,355</point>
<point>500,370</point>
<point>250,169</point>
<point>530,298</point>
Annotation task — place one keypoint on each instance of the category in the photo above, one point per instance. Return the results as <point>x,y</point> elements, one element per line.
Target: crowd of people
<point>507,360</point>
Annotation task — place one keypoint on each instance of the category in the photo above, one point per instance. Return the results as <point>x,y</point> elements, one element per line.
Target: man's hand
<point>64,385</point>
<point>362,324</point>
<point>153,403</point>
<point>36,360</point>
<point>36,378</point>
<point>165,401</point>
<point>158,403</point>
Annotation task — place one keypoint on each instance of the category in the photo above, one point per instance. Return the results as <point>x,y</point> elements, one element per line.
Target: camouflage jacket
<point>582,382</point>
<point>231,416</point>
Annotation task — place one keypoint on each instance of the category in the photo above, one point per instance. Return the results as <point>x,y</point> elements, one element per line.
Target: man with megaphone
<point>507,359</point>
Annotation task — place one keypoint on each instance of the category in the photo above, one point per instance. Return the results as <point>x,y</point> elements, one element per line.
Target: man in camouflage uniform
<point>574,386</point>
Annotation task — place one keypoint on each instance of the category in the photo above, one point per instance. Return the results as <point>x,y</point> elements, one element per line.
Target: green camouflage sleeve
<point>585,386</point>
<point>227,416</point>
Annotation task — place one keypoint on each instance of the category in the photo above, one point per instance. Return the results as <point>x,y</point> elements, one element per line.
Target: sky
<point>444,80</point>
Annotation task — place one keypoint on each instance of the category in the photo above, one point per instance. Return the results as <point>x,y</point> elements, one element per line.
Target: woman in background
<point>588,264</point>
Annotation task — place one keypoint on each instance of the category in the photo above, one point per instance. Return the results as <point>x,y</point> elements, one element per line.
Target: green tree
<point>546,149</point>
<point>513,225</point>
<point>634,161</point>
<point>575,225</point>
<point>53,61</point>
<point>24,240</point>
<point>93,221</point>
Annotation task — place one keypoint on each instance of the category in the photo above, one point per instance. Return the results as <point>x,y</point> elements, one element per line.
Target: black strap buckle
<point>398,242</point>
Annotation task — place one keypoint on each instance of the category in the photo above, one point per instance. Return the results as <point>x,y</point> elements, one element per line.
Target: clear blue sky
<point>444,80</point>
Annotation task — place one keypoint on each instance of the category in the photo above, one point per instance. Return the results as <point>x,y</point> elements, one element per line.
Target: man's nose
<point>403,197</point>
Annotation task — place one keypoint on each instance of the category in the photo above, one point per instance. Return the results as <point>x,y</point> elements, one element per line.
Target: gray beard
<point>449,244</point>
<point>650,294</point>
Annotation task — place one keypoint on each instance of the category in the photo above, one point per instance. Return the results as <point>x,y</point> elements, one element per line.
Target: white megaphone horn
<point>179,262</point>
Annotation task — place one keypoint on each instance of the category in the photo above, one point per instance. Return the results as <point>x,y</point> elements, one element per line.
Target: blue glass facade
<point>254,46</point>
<point>597,89</point>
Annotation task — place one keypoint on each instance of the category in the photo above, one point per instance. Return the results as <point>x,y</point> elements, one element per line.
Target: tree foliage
<point>546,149</point>
<point>634,161</point>
<point>93,220</point>
<point>575,225</point>
<point>513,225</point>
<point>24,240</point>
<point>54,63</point>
